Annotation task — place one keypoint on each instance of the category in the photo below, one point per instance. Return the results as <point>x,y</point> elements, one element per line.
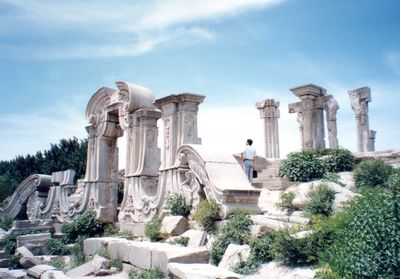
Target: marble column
<point>310,115</point>
<point>359,99</point>
<point>179,113</point>
<point>269,111</point>
<point>331,108</point>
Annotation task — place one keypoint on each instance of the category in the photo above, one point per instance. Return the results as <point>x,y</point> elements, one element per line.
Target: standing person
<point>248,159</point>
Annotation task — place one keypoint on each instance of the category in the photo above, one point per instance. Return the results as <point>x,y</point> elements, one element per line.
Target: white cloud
<point>102,24</point>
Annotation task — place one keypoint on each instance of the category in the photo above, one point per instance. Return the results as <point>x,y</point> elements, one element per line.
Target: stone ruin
<point>184,166</point>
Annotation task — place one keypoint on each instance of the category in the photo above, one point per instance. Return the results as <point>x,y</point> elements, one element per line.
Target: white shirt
<point>249,153</point>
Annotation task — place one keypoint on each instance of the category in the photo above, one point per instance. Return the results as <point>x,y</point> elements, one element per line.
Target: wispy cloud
<point>113,28</point>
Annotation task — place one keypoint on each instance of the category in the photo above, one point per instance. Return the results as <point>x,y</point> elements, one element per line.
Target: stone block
<point>4,254</point>
<point>36,243</point>
<point>3,263</point>
<point>92,245</point>
<point>5,273</point>
<point>26,262</point>
<point>174,225</point>
<point>270,224</point>
<point>140,254</point>
<point>54,274</point>
<point>24,252</point>
<point>118,250</point>
<point>197,238</point>
<point>200,271</point>
<point>96,263</point>
<point>137,229</point>
<point>38,270</point>
<point>37,225</point>
<point>234,255</point>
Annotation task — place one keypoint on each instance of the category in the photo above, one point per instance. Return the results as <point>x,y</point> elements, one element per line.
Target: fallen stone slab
<point>197,238</point>
<point>24,252</point>
<point>5,273</point>
<point>4,254</point>
<point>234,255</point>
<point>200,271</point>
<point>26,262</point>
<point>290,218</point>
<point>174,225</point>
<point>38,270</point>
<point>269,223</point>
<point>275,270</point>
<point>3,263</point>
<point>96,263</point>
<point>92,245</point>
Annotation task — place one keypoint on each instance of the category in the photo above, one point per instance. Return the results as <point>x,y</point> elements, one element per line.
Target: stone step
<point>145,254</point>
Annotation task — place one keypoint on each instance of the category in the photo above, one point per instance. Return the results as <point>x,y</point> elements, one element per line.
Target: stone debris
<point>197,238</point>
<point>234,255</point>
<point>36,243</point>
<point>38,270</point>
<point>270,224</point>
<point>24,252</point>
<point>174,225</point>
<point>96,264</point>
<point>5,273</point>
<point>26,262</point>
<point>54,274</point>
<point>275,270</point>
<point>200,271</point>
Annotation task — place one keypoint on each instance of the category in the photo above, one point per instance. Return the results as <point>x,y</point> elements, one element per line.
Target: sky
<point>55,54</point>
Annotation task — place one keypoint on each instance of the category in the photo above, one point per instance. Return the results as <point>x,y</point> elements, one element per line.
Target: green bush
<point>337,160</point>
<point>84,225</point>
<point>320,201</point>
<point>368,245</point>
<point>176,204</point>
<point>57,247</point>
<point>181,241</point>
<point>13,261</point>
<point>333,177</point>
<point>207,212</point>
<point>236,230</point>
<point>152,229</point>
<point>6,223</point>
<point>146,274</point>
<point>372,173</point>
<point>110,230</point>
<point>77,256</point>
<point>117,263</point>
<point>302,166</point>
<point>58,262</point>
<point>286,200</point>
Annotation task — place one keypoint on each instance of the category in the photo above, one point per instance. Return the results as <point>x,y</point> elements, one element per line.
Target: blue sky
<point>55,54</point>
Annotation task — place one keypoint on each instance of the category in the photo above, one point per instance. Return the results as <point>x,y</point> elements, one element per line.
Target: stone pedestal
<point>269,111</point>
<point>179,113</point>
<point>359,99</point>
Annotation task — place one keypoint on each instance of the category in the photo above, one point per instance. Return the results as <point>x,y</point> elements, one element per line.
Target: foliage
<point>117,263</point>
<point>333,177</point>
<point>236,230</point>
<point>207,212</point>
<point>286,200</point>
<point>77,256</point>
<point>320,200</point>
<point>58,262</point>
<point>338,159</point>
<point>146,274</point>
<point>84,225</point>
<point>152,229</point>
<point>67,154</point>
<point>57,247</point>
<point>110,230</point>
<point>182,241</point>
<point>302,166</point>
<point>368,245</point>
<point>6,223</point>
<point>372,173</point>
<point>260,253</point>
<point>176,204</point>
<point>103,252</point>
<point>13,261</point>
<point>9,242</point>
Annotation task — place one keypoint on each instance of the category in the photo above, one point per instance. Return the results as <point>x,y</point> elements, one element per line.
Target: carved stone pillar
<point>359,99</point>
<point>179,113</point>
<point>269,111</point>
<point>310,115</point>
<point>331,107</point>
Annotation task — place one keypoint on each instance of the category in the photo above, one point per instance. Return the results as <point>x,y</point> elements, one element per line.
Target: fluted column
<point>269,111</point>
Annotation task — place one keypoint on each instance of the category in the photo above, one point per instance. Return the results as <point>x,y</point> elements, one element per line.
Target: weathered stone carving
<point>311,118</point>
<point>269,111</point>
<point>359,99</point>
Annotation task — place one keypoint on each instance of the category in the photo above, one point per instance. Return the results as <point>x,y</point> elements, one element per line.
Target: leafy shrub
<point>286,200</point>
<point>13,261</point>
<point>110,230</point>
<point>77,256</point>
<point>302,166</point>
<point>56,247</point>
<point>338,159</point>
<point>84,225</point>
<point>182,241</point>
<point>372,173</point>
<point>333,177</point>
<point>117,263</point>
<point>368,244</point>
<point>236,230</point>
<point>320,201</point>
<point>146,274</point>
<point>207,212</point>
<point>152,229</point>
<point>176,204</point>
<point>58,262</point>
<point>6,223</point>
<point>9,242</point>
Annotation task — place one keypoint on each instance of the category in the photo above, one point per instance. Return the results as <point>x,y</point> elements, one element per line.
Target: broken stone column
<point>359,99</point>
<point>179,113</point>
<point>269,111</point>
<point>310,115</point>
<point>331,107</point>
